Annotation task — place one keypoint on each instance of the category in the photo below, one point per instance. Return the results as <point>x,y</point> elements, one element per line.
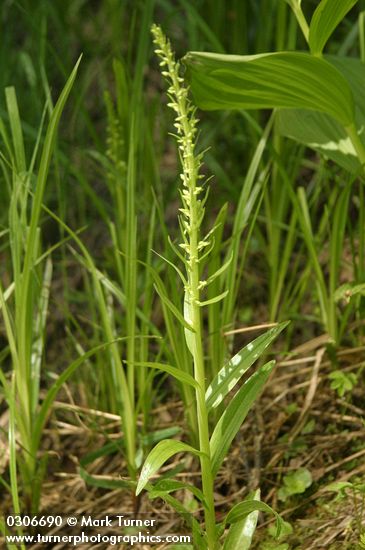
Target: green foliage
<point>327,15</point>
<point>280,236</point>
<point>321,114</point>
<point>295,483</point>
<point>342,382</point>
<point>277,543</point>
<point>244,82</point>
<point>356,492</point>
<point>24,305</point>
<point>231,373</point>
<point>234,415</point>
<point>322,132</point>
<point>241,533</point>
<point>212,448</point>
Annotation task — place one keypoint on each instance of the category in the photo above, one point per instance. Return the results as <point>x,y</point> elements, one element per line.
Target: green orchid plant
<point>237,528</point>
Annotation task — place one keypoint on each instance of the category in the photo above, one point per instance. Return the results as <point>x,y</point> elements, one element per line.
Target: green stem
<point>195,216</point>
<point>199,373</point>
<point>301,20</point>
<point>191,219</point>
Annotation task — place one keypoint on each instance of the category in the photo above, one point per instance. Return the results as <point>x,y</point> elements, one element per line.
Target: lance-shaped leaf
<point>293,80</point>
<point>232,372</point>
<point>191,522</point>
<point>241,532</point>
<point>161,291</point>
<point>328,14</point>
<point>241,510</point>
<point>180,375</point>
<point>232,418</point>
<point>214,300</point>
<point>158,456</point>
<point>166,486</point>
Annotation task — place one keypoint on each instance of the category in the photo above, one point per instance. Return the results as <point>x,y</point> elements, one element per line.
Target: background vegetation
<point>90,299</point>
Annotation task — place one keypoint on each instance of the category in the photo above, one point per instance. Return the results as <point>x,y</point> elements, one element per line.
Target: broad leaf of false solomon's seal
<point>293,80</point>
<point>233,371</point>
<point>234,415</point>
<point>158,456</point>
<point>323,133</point>
<point>328,14</point>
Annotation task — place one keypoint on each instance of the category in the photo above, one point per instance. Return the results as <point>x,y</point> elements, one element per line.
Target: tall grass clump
<point>24,304</point>
<point>194,252</point>
<point>123,287</point>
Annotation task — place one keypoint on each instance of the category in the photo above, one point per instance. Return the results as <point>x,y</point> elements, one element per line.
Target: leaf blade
<point>245,82</point>
<point>180,375</point>
<point>241,510</point>
<point>158,456</point>
<point>231,373</point>
<point>233,416</point>
<point>328,14</point>
<point>240,533</point>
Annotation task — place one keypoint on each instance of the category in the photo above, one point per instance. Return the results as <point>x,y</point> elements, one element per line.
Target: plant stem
<point>191,218</point>
<point>301,19</point>
<point>199,374</point>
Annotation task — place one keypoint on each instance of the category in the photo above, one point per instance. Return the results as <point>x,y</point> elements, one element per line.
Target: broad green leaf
<point>328,14</point>
<point>243,509</point>
<point>232,418</point>
<point>232,372</point>
<point>180,375</point>
<point>295,483</point>
<point>241,532</point>
<point>293,3</point>
<point>293,80</point>
<point>322,132</point>
<point>158,456</point>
